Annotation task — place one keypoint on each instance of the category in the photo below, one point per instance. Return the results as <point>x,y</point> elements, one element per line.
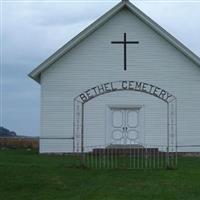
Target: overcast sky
<point>32,31</point>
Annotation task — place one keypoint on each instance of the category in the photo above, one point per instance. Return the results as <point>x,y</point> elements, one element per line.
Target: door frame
<point>124,106</point>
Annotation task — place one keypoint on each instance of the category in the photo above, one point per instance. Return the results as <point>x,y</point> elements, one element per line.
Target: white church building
<point>123,80</point>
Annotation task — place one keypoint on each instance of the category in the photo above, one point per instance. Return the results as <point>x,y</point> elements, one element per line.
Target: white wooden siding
<point>95,60</point>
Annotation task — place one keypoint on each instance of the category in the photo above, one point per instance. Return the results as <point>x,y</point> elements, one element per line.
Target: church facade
<point>123,80</point>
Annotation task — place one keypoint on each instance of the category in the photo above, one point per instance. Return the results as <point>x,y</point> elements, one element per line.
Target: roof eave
<point>34,77</point>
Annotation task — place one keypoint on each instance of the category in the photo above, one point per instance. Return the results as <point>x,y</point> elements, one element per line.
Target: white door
<point>125,126</point>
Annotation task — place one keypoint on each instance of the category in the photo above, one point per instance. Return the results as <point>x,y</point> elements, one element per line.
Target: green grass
<point>25,175</point>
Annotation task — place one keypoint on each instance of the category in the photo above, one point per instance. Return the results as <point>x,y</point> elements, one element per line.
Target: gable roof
<point>35,74</point>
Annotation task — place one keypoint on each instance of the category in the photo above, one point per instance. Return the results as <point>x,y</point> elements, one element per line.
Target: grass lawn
<point>25,175</point>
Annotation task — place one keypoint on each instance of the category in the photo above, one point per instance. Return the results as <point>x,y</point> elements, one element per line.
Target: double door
<point>125,127</point>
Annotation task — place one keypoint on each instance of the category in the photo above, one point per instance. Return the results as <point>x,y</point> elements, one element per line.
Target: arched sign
<point>124,85</point>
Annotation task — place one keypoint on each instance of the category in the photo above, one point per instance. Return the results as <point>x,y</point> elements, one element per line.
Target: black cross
<point>125,42</point>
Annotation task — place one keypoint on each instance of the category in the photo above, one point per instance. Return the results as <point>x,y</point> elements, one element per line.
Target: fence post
<point>167,156</point>
<point>82,132</point>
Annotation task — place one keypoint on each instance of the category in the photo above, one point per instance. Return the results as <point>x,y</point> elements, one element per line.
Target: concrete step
<point>126,151</point>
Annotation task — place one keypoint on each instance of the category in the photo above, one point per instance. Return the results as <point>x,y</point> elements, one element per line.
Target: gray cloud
<point>33,31</point>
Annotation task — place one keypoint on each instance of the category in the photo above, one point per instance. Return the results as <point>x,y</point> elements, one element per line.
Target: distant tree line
<point>7,133</point>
